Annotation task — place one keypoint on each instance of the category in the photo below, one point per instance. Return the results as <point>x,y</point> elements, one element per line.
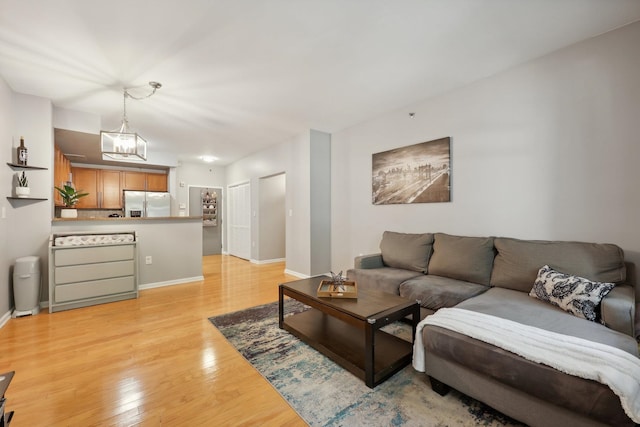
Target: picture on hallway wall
<point>418,173</point>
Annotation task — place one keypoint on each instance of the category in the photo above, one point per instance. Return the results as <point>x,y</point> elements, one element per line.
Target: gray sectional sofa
<point>496,275</point>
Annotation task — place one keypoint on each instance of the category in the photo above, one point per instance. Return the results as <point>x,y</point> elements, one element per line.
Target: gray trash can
<point>26,286</point>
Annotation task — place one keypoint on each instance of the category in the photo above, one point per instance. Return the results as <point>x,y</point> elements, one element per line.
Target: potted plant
<point>22,190</point>
<point>69,198</point>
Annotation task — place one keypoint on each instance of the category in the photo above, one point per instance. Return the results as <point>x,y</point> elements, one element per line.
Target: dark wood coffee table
<point>348,330</point>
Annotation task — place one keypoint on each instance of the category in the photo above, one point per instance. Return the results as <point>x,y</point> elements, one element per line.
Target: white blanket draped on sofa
<point>575,356</point>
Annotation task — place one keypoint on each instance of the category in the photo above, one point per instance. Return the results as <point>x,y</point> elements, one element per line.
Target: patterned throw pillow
<point>577,295</point>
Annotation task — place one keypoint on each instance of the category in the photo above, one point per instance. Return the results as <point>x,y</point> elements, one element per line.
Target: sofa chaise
<point>532,283</point>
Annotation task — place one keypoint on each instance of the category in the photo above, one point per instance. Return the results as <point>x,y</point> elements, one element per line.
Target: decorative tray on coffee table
<point>331,289</point>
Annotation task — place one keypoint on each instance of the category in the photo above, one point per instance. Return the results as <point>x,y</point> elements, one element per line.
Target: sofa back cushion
<point>463,258</point>
<point>518,261</point>
<point>407,251</point>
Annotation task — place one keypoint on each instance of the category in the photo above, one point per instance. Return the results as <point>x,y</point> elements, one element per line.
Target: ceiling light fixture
<point>208,159</point>
<point>123,144</point>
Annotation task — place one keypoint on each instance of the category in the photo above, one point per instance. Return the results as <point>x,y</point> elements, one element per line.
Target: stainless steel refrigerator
<point>146,203</point>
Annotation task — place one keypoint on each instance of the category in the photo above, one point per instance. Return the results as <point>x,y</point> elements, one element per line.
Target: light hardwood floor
<point>153,361</point>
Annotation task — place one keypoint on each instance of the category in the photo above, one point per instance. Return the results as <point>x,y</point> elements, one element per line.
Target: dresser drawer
<point>77,255</point>
<point>95,288</point>
<point>86,272</point>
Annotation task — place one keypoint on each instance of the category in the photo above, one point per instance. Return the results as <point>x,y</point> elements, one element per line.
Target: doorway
<point>272,221</point>
<point>207,202</point>
<point>239,228</point>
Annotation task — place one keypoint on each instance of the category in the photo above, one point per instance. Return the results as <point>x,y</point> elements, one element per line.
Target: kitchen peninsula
<point>169,248</point>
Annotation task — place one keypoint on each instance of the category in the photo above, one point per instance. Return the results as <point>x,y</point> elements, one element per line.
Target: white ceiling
<point>240,75</point>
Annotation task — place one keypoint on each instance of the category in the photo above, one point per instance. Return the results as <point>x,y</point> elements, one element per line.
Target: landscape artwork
<point>418,173</point>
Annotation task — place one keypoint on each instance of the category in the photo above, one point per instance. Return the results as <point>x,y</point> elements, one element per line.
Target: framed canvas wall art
<point>419,173</point>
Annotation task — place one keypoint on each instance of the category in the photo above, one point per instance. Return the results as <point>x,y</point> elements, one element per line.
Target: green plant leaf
<point>69,195</point>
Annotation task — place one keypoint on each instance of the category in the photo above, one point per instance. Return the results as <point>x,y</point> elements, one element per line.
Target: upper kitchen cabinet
<point>110,182</point>
<point>103,185</point>
<point>144,181</point>
<point>134,181</point>
<point>157,182</point>
<point>85,180</point>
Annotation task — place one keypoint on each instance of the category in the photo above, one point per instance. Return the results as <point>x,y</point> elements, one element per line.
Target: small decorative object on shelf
<point>337,287</point>
<point>69,198</point>
<point>21,153</point>
<point>22,189</point>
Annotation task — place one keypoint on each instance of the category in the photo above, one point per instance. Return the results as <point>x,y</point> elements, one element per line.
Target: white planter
<point>68,213</point>
<point>22,191</point>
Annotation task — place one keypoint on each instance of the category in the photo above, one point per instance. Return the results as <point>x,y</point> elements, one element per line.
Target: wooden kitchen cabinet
<point>103,185</point>
<point>85,180</point>
<point>111,189</point>
<point>61,171</point>
<point>134,181</point>
<point>142,181</point>
<point>156,182</point>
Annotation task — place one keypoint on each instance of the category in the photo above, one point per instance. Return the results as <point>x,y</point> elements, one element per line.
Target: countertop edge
<point>127,219</point>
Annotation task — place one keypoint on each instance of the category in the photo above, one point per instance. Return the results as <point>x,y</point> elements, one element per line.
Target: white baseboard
<point>295,273</point>
<point>170,283</point>
<point>267,261</point>
<point>5,318</point>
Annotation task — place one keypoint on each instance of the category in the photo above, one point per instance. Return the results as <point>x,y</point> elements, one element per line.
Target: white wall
<point>29,222</point>
<point>78,121</point>
<point>547,150</point>
<point>197,175</point>
<point>320,203</point>
<point>6,155</point>
<point>293,158</point>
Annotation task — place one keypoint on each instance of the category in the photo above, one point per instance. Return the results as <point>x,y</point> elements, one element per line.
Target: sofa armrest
<point>368,261</point>
<point>619,308</point>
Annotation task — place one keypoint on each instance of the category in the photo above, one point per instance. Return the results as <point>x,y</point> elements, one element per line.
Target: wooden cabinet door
<point>110,189</point>
<point>61,171</point>
<point>134,181</point>
<point>85,180</point>
<point>156,182</point>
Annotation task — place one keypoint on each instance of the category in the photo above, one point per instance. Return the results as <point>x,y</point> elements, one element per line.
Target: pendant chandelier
<point>123,144</point>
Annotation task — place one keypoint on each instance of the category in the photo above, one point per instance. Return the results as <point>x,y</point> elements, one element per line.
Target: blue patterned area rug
<point>324,394</point>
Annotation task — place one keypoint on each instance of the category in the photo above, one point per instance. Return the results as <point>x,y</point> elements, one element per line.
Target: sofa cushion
<point>434,292</point>
<point>385,279</point>
<point>576,295</point>
<point>463,258</point>
<point>520,307</point>
<point>517,263</point>
<point>407,251</point>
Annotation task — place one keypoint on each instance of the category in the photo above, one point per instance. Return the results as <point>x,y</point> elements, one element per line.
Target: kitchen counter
<point>122,219</point>
<point>169,248</point>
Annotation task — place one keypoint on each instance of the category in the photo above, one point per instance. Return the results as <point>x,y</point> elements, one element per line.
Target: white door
<point>239,202</point>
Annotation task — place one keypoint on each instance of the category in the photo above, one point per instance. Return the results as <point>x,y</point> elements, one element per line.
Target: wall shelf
<point>26,198</point>
<point>14,166</point>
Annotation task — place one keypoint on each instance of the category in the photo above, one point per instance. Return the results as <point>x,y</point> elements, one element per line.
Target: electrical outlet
<point>148,260</point>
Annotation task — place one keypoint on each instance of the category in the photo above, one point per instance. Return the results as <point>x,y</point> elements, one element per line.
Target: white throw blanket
<point>575,356</point>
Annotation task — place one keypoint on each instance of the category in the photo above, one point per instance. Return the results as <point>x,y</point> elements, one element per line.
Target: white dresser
<point>91,268</point>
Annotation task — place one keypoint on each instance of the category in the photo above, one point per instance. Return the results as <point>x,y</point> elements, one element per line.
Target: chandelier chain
<point>154,85</point>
